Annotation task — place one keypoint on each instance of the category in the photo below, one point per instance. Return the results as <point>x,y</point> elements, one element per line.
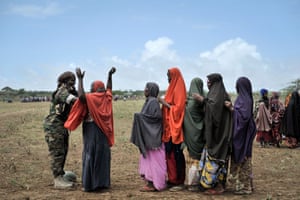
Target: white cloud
<point>235,58</point>
<point>159,48</point>
<point>232,58</point>
<point>31,10</point>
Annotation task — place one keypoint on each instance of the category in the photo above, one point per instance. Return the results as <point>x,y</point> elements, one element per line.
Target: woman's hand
<point>79,74</point>
<point>198,97</point>
<point>112,70</point>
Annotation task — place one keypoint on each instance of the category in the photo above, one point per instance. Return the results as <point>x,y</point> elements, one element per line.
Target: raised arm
<point>81,93</point>
<point>109,80</point>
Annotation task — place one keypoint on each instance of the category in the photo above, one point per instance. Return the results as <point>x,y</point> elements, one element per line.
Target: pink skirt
<point>154,167</point>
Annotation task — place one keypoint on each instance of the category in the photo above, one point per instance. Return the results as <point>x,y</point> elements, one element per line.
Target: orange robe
<point>99,105</point>
<point>173,116</point>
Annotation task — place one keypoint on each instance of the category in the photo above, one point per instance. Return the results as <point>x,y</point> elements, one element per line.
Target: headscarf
<point>99,105</point>
<point>147,125</point>
<point>263,92</point>
<point>97,86</point>
<point>243,123</point>
<point>218,119</point>
<point>264,97</point>
<point>291,119</point>
<point>193,123</point>
<point>173,116</point>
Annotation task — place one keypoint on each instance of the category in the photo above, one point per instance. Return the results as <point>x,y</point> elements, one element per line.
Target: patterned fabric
<point>192,169</point>
<point>56,135</point>
<point>241,176</point>
<point>277,111</point>
<point>59,109</point>
<point>213,171</point>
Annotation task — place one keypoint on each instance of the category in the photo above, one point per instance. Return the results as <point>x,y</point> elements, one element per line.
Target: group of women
<point>276,121</point>
<point>195,140</point>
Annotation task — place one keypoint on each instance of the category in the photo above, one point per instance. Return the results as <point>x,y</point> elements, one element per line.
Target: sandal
<point>146,188</point>
<point>214,191</point>
<point>243,192</point>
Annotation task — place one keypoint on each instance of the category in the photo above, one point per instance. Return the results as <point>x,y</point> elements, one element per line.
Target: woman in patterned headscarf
<point>146,135</point>
<point>173,114</point>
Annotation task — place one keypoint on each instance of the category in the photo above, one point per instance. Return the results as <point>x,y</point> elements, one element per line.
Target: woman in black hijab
<point>218,129</point>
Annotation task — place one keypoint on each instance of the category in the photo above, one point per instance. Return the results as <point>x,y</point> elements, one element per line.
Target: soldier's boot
<point>60,183</point>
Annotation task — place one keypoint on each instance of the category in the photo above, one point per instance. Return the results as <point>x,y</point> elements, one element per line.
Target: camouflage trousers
<point>241,176</point>
<point>58,144</point>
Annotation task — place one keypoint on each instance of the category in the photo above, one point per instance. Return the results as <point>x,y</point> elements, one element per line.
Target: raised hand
<point>79,74</point>
<point>112,70</point>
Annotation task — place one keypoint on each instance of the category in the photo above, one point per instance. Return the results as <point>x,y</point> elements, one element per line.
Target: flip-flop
<point>146,188</point>
<point>243,192</point>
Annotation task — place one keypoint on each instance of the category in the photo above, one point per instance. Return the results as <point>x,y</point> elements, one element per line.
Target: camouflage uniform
<point>57,137</point>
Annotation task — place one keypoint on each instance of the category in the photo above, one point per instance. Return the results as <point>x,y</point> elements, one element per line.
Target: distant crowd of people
<point>278,121</point>
<point>186,139</point>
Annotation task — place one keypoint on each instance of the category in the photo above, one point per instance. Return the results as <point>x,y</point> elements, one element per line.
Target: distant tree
<point>21,91</point>
<point>7,89</point>
<point>293,85</point>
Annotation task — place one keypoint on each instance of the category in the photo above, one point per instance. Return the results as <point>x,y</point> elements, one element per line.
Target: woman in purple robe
<point>244,130</point>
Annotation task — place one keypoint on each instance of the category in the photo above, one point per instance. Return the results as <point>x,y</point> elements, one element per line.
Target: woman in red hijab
<point>95,110</point>
<point>173,107</point>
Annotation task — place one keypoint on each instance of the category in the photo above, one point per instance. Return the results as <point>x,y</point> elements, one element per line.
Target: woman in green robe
<point>193,126</point>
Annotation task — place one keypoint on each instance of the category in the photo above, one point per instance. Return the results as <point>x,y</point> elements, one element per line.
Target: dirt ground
<point>25,171</point>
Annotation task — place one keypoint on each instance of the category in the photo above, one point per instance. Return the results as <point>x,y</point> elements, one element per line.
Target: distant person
<point>244,131</point>
<point>57,137</point>
<point>146,135</point>
<point>218,131</point>
<point>263,119</point>
<point>291,121</point>
<point>96,112</point>
<point>193,129</point>
<point>173,106</point>
<point>277,111</point>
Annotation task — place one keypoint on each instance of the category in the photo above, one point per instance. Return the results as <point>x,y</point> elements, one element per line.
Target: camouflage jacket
<point>60,107</point>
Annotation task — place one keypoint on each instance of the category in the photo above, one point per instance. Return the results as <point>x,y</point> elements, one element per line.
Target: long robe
<point>193,124</point>
<point>218,120</point>
<point>172,129</point>
<point>244,128</point>
<point>291,119</point>
<point>98,137</point>
<point>146,135</point>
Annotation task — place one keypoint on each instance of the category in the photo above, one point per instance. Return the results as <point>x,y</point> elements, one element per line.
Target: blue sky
<point>40,39</point>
